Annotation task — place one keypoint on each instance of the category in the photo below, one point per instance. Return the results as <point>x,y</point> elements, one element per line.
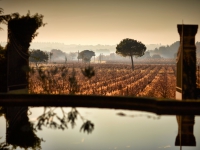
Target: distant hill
<point>152,46</point>
<point>70,48</point>
<point>168,51</point>
<point>48,46</point>
<point>164,51</point>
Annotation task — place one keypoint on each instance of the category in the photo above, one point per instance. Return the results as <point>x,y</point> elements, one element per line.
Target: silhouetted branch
<point>47,119</point>
<point>87,126</point>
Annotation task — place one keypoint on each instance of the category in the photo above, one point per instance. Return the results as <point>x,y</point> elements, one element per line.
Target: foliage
<point>88,72</point>
<point>166,86</point>
<point>166,51</point>
<point>147,55</point>
<point>3,69</point>
<point>130,47</point>
<point>86,55</point>
<point>50,56</point>
<point>51,119</point>
<point>38,56</point>
<point>4,146</point>
<point>23,28</point>
<point>2,55</point>
<point>109,80</point>
<point>2,111</point>
<point>1,12</point>
<point>73,55</point>
<point>156,56</point>
<point>57,54</point>
<point>48,79</point>
<point>72,116</point>
<point>73,84</point>
<point>47,120</point>
<point>88,126</point>
<point>53,80</point>
<point>27,139</point>
<point>21,31</point>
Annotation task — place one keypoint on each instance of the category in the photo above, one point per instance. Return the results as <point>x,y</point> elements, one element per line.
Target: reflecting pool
<point>69,128</point>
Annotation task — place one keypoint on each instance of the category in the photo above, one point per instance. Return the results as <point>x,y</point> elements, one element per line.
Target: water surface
<point>98,129</point>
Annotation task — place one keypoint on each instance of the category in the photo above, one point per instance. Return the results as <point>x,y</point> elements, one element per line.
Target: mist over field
<point>165,51</point>
<point>48,46</point>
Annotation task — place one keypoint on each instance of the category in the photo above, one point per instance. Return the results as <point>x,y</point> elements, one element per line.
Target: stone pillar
<point>185,135</point>
<point>17,65</point>
<point>14,70</point>
<point>186,63</point>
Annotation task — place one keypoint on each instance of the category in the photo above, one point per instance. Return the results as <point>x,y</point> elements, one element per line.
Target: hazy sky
<point>107,21</point>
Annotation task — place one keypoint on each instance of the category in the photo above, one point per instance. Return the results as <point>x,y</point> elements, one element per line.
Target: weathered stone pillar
<point>186,63</point>
<point>14,65</point>
<point>185,135</point>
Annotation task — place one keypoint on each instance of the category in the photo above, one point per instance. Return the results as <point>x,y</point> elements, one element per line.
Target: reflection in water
<point>4,146</point>
<point>50,119</point>
<point>185,135</point>
<point>19,131</point>
<point>139,115</point>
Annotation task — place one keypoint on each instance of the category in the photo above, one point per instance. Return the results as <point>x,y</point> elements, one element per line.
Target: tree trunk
<point>132,62</point>
<point>36,64</point>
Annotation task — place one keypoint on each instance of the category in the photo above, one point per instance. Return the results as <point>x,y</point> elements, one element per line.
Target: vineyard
<point>108,80</point>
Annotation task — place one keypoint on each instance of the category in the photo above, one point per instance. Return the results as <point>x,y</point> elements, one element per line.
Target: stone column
<point>186,63</point>
<point>185,135</point>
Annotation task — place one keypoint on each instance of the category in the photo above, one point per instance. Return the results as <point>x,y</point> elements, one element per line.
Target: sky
<point>107,22</point>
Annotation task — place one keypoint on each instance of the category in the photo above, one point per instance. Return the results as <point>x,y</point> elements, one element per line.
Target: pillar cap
<point>188,29</point>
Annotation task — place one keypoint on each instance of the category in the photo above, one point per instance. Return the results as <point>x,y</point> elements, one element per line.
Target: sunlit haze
<point>91,22</point>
